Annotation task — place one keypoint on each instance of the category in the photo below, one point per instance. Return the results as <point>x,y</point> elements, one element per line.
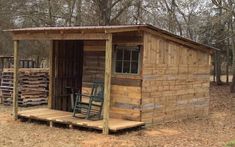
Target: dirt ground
<point>216,130</point>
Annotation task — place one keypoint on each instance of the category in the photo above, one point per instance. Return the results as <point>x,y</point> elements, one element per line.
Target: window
<point>127,59</point>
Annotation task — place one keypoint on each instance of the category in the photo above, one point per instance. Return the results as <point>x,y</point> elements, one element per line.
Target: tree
<point>229,7</point>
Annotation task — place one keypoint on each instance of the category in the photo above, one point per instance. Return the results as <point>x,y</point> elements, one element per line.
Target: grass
<point>230,144</point>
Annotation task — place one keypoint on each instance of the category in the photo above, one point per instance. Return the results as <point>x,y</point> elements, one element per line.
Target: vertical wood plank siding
<point>175,81</point>
<point>68,61</point>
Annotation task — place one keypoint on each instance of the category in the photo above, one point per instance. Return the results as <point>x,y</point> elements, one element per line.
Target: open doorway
<point>67,70</point>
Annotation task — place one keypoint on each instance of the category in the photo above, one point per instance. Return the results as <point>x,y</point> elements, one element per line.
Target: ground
<point>216,130</point>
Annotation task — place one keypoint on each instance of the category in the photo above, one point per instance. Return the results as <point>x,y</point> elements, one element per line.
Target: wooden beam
<point>15,84</point>
<point>107,83</point>
<point>51,73</point>
<point>59,36</point>
<point>27,70</point>
<point>118,30</point>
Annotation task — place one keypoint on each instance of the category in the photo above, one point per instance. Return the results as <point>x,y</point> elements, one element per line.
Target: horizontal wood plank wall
<point>67,59</point>
<point>128,38</point>
<point>125,91</point>
<point>93,61</point>
<point>175,81</point>
<point>125,102</point>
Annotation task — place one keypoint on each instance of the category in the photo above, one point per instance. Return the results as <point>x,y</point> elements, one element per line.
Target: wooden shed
<point>151,76</point>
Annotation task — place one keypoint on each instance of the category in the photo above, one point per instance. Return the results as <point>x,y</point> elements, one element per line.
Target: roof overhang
<point>99,33</point>
<point>181,40</point>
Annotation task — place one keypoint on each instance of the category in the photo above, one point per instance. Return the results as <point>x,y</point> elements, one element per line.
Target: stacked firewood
<point>32,88</point>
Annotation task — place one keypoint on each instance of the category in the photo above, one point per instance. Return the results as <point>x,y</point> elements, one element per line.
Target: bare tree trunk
<point>218,68</point>
<point>71,11</point>
<point>173,21</point>
<point>232,87</point>
<point>227,61</point>
<point>138,18</point>
<point>220,45</point>
<point>105,11</point>
<point>79,12</point>
<point>51,23</point>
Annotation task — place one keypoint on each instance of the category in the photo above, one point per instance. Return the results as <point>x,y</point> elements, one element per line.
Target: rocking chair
<point>92,109</point>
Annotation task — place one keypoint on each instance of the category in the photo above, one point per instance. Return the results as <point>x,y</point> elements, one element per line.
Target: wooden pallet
<point>33,84</point>
<point>27,102</point>
<point>61,117</point>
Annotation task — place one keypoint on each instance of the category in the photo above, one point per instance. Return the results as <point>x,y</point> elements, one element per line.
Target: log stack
<point>33,86</point>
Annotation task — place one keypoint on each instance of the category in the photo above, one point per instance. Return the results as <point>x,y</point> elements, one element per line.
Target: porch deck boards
<point>62,117</point>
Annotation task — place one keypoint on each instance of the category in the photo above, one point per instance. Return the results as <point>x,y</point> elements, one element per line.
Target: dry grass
<point>216,130</point>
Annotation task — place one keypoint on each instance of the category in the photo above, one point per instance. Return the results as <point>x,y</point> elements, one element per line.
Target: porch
<point>77,57</point>
<point>62,117</point>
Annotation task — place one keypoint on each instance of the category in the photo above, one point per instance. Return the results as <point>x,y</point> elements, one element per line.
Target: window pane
<point>119,54</point>
<point>30,64</point>
<point>127,55</point>
<point>127,60</point>
<point>126,67</point>
<point>119,66</point>
<point>134,67</point>
<point>21,64</point>
<point>135,55</point>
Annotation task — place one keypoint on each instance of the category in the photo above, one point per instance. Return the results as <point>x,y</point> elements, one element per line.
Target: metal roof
<point>108,28</point>
<point>75,28</point>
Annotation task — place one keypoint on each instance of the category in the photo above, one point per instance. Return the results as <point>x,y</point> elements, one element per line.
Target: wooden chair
<point>69,93</point>
<point>93,108</point>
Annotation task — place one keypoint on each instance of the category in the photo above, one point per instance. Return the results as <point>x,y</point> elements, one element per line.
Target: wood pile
<point>33,86</point>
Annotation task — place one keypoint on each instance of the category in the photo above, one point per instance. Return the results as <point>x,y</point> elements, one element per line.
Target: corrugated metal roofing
<point>105,28</point>
<point>75,28</point>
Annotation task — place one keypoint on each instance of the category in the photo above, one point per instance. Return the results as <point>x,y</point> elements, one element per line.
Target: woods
<point>209,22</point>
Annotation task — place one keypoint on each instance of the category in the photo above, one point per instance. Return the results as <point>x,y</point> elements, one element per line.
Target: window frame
<point>116,47</point>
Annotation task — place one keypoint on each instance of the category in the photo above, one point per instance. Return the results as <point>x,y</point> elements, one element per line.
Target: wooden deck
<point>62,117</point>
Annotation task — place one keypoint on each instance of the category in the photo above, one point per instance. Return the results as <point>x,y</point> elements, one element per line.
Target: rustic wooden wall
<point>93,61</point>
<point>175,81</point>
<point>125,90</point>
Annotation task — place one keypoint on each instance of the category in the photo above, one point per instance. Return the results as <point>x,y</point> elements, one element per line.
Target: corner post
<point>51,73</point>
<point>107,83</point>
<point>16,75</point>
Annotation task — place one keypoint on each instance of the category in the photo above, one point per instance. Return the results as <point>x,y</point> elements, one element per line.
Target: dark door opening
<point>67,71</point>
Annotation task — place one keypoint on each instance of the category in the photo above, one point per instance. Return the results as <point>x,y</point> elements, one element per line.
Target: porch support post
<point>15,84</point>
<point>107,83</point>
<point>51,73</point>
